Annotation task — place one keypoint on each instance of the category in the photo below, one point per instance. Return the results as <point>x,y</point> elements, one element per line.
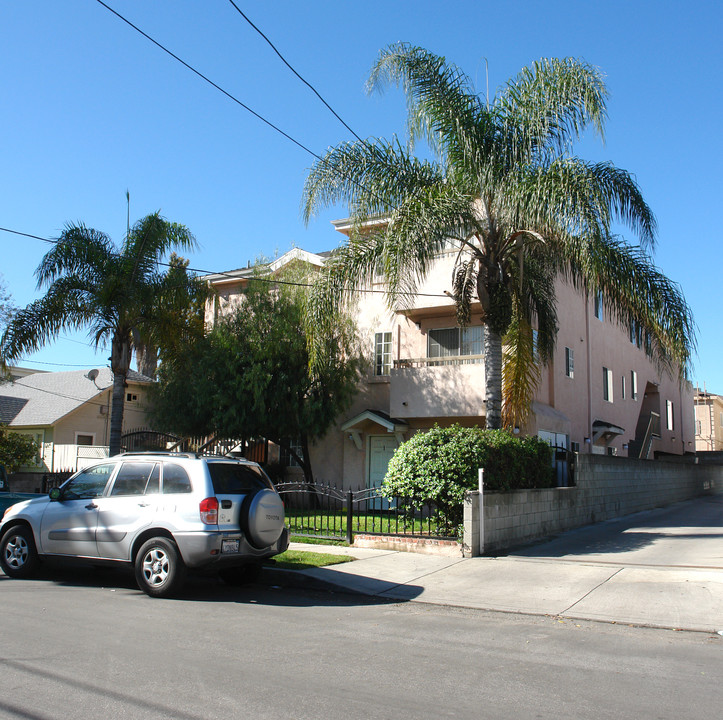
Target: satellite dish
<point>92,374</point>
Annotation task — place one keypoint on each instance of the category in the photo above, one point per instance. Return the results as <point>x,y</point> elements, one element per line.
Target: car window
<point>175,480</point>
<point>89,483</point>
<point>153,486</point>
<point>133,478</point>
<point>234,478</point>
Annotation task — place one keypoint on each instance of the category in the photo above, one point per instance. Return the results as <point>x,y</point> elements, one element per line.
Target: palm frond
<point>548,105</point>
<point>520,372</point>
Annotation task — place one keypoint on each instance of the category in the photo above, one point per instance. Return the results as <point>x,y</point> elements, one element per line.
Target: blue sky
<point>90,108</point>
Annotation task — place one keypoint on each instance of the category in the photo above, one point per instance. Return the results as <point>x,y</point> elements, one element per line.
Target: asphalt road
<point>90,645</point>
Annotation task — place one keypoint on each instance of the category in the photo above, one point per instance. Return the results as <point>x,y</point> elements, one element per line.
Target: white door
<point>381,449</point>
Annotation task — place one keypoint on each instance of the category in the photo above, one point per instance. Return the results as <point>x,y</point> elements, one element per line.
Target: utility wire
<point>234,274</point>
<point>288,65</point>
<point>211,82</point>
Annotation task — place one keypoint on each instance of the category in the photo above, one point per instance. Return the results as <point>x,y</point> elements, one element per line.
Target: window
<point>84,439</point>
<point>569,363</point>
<point>607,384</point>
<point>535,344</point>
<point>134,478</point>
<point>455,342</point>
<point>669,415</point>
<point>131,397</point>
<point>382,353</point>
<point>622,388</point>
<point>636,334</point>
<point>175,480</point>
<point>698,427</point>
<point>599,306</point>
<point>89,484</point>
<point>287,459</point>
<point>633,385</point>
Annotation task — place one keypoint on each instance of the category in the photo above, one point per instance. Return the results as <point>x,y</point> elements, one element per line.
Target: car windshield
<point>235,478</point>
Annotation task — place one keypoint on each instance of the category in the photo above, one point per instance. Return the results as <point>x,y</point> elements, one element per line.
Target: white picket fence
<point>72,457</point>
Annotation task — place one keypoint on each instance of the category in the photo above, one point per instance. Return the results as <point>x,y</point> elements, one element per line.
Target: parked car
<point>162,513</point>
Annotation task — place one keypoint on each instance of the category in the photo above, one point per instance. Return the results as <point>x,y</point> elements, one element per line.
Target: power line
<point>231,275</point>
<point>211,82</point>
<point>288,65</point>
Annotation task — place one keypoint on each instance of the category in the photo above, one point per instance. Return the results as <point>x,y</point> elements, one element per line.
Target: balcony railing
<point>439,361</point>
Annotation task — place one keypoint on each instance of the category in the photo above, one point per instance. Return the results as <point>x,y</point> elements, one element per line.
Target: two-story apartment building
<point>708,421</point>
<point>600,394</point>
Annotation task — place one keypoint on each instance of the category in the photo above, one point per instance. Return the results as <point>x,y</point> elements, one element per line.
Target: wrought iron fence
<point>325,511</point>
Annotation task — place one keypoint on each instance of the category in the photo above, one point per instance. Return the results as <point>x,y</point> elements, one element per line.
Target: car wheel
<point>18,555</point>
<point>242,575</point>
<point>160,570</point>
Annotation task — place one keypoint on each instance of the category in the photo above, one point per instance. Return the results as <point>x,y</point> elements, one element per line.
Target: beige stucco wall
<point>709,417</point>
<point>421,396</point>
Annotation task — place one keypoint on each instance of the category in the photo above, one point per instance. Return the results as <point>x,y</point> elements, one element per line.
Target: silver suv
<point>160,512</point>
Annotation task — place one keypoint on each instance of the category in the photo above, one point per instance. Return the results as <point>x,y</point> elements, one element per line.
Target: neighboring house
<point>600,395</point>
<point>68,413</point>
<point>708,421</point>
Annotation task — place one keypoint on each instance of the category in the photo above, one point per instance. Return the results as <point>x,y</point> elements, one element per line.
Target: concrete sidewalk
<point>612,587</point>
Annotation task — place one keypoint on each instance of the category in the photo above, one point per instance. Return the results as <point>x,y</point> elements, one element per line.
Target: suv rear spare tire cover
<point>262,517</point>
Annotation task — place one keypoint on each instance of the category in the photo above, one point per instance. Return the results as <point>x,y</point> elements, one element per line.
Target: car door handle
<point>91,506</point>
<point>143,504</point>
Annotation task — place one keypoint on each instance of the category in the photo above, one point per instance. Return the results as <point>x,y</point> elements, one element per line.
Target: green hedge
<point>439,465</point>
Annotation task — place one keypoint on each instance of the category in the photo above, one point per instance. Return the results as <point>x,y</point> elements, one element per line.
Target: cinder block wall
<point>607,487</point>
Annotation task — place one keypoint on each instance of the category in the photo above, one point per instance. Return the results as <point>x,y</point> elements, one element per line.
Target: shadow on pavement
<point>274,588</point>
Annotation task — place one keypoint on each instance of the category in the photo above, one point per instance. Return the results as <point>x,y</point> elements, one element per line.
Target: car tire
<point>160,570</point>
<point>241,575</point>
<point>18,554</point>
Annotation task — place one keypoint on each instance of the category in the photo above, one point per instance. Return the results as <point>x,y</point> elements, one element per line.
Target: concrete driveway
<point>661,568</point>
<point>684,535</point>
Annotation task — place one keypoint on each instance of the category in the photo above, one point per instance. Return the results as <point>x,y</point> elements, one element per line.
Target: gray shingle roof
<point>44,398</point>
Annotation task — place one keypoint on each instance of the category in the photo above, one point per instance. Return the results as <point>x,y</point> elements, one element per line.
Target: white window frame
<point>608,385</point>
<point>461,341</point>
<point>382,353</point>
<point>670,415</point>
<point>569,362</point>
<point>599,306</point>
<point>633,385</point>
<point>91,435</point>
<point>623,393</point>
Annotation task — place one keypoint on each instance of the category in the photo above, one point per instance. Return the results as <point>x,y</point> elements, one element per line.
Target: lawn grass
<point>311,522</point>
<point>305,560</point>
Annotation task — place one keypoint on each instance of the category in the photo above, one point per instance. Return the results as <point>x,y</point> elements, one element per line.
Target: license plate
<point>229,546</point>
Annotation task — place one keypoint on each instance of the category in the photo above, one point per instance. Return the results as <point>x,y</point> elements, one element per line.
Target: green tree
<point>249,377</point>
<point>16,450</point>
<point>6,305</point>
<point>91,283</point>
<point>521,209</point>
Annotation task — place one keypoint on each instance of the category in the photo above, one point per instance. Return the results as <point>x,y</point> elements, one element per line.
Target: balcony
<point>438,387</point>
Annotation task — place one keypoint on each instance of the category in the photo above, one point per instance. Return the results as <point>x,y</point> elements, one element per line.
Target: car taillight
<point>209,511</point>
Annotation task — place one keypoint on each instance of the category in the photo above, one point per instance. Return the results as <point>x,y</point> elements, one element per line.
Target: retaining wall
<point>606,487</point>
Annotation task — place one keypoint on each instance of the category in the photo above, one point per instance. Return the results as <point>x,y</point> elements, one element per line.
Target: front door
<point>381,449</point>
<point>69,524</point>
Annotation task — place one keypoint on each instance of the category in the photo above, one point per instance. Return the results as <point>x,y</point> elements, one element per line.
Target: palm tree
<point>505,189</point>
<point>112,292</point>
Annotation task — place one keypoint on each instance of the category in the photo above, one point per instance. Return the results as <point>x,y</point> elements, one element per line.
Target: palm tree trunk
<point>116,413</point>
<point>120,361</point>
<point>493,379</point>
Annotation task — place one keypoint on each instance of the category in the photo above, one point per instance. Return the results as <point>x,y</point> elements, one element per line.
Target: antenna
<point>128,219</point>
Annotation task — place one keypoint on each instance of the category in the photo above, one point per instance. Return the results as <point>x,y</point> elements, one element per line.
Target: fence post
<point>480,488</point>
<point>349,516</point>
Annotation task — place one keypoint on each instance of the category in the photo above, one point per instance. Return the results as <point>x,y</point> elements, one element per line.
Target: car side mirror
<point>54,493</point>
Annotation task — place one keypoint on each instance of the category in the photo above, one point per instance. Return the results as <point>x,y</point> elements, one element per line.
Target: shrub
<point>439,465</point>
